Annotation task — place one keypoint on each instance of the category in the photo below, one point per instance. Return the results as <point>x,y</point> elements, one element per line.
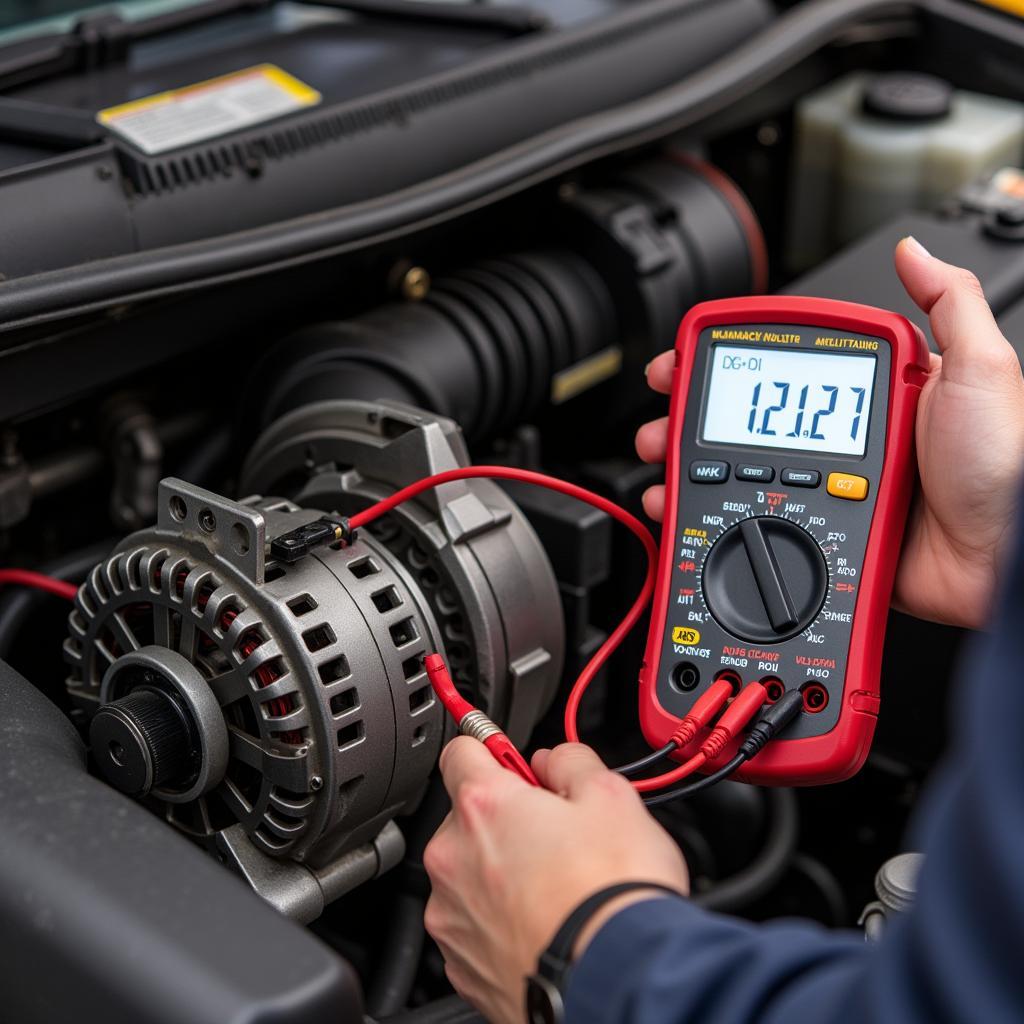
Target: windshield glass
<point>21,19</point>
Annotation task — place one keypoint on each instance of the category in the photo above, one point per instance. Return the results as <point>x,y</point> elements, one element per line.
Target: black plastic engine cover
<point>402,100</point>
<point>106,914</point>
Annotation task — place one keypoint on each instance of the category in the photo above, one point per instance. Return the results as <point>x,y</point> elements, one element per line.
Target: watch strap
<point>555,961</point>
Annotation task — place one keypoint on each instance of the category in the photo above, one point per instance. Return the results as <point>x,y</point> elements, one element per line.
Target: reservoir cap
<point>905,96</point>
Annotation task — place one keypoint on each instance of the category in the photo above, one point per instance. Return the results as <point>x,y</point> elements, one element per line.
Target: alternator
<point>280,712</point>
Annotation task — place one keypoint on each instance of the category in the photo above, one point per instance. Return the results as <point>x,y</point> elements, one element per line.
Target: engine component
<point>83,872</point>
<point>478,564</point>
<point>496,342</point>
<point>280,711</point>
<point>966,231</point>
<point>896,889</point>
<point>137,454</point>
<point>487,346</point>
<point>392,96</point>
<point>869,147</point>
<point>230,688</point>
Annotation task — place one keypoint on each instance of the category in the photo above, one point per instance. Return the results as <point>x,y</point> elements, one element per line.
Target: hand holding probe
<point>473,722</point>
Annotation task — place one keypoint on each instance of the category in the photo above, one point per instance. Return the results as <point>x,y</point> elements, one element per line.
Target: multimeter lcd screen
<point>773,398</point>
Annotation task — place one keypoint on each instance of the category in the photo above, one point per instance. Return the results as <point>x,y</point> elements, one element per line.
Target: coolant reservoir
<point>871,146</point>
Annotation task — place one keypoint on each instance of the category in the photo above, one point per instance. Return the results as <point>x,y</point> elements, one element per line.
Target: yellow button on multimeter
<point>846,485</point>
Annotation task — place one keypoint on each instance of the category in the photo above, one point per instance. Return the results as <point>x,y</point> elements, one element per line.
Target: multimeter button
<point>845,485</point>
<point>759,474</point>
<point>801,477</point>
<point>709,472</point>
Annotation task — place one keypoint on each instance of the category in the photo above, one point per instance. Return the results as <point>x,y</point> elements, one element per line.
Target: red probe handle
<point>502,749</point>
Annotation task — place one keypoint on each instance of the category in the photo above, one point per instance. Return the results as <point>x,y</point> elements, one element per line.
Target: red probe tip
<point>437,672</point>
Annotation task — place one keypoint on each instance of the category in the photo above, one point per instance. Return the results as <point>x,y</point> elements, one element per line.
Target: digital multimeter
<point>789,474</point>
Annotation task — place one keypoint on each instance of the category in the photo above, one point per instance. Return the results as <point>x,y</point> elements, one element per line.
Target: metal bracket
<point>236,533</point>
<point>298,891</point>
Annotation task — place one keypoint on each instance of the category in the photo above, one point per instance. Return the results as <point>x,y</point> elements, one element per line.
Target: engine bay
<point>265,264</point>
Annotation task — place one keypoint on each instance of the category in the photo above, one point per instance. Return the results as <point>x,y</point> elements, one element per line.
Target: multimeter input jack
<point>774,687</point>
<point>732,678</point>
<point>685,676</point>
<point>815,697</point>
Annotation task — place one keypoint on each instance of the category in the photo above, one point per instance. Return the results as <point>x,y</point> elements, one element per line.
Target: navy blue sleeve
<point>954,958</point>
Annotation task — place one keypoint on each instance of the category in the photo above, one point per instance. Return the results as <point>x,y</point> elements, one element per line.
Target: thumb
<point>972,346</point>
<point>465,759</point>
<point>569,769</point>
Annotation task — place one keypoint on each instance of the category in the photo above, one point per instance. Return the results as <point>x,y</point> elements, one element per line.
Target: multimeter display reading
<point>788,478</point>
<point>770,398</point>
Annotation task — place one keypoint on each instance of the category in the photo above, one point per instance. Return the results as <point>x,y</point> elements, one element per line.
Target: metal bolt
<point>316,783</point>
<point>9,454</point>
<point>207,520</point>
<point>768,134</point>
<point>415,284</point>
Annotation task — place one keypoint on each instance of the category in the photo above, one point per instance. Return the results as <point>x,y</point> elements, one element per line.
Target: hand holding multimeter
<point>789,473</point>
<point>788,478</point>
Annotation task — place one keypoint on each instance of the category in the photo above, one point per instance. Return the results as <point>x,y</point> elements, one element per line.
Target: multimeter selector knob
<point>765,579</point>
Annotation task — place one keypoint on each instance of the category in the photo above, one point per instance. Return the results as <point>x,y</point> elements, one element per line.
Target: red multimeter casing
<point>773,567</point>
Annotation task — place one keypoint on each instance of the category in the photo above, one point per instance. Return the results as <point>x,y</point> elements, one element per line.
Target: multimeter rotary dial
<point>765,579</point>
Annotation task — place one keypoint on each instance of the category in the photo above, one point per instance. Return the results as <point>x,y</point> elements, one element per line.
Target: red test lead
<point>475,723</point>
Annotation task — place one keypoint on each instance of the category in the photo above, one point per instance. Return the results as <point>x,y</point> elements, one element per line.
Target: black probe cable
<point>772,720</point>
<point>704,782</point>
<point>648,761</point>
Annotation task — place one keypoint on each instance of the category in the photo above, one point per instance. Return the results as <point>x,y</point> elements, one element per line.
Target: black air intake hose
<point>483,348</point>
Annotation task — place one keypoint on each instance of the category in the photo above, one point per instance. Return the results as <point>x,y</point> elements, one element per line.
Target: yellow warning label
<point>685,635</point>
<point>1010,6</point>
<point>207,110</point>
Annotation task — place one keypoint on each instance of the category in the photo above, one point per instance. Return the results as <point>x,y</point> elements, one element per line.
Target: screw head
<point>316,783</point>
<point>415,284</point>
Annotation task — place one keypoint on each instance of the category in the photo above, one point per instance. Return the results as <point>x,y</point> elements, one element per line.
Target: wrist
<point>545,987</point>
<point>609,910</point>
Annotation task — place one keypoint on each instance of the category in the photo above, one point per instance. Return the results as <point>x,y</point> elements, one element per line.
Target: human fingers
<point>973,348</point>
<point>465,759</point>
<point>572,768</point>
<point>659,372</point>
<point>652,440</point>
<point>654,502</point>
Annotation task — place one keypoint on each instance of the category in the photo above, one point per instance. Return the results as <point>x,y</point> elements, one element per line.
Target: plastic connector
<point>772,720</point>
<point>298,543</point>
<point>735,718</point>
<point>707,705</point>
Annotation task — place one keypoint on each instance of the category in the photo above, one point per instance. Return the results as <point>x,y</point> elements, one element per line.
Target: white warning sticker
<point>207,110</point>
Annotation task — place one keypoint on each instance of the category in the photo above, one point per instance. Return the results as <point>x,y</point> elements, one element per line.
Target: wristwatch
<point>545,987</point>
